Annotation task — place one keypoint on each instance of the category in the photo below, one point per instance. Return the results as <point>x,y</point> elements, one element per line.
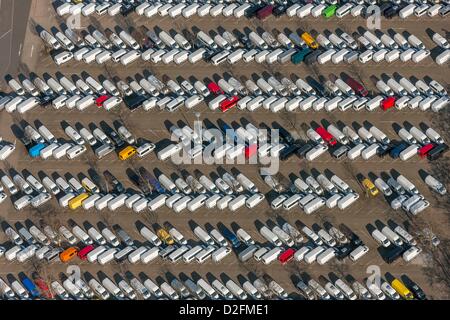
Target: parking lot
<point>151,125</point>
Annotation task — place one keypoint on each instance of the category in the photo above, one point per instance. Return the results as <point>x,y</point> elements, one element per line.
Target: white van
<point>197,202</point>
<point>190,255</point>
<point>254,200</point>
<point>311,256</point>
<point>129,57</point>
<point>271,255</point>
<point>358,252</point>
<point>380,238</point>
<point>220,57</point>
<point>206,253</point>
<point>237,203</point>
<point>62,57</point>
<point>64,201</point>
<point>291,202</point>
<point>220,254</point>
<point>59,102</point>
<point>22,202</point>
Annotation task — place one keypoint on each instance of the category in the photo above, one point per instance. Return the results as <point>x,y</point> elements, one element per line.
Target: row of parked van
<point>337,289</point>
<point>142,287</point>
<point>398,241</point>
<point>131,287</point>
<point>342,242</point>
<point>269,92</point>
<point>250,9</point>
<point>311,193</point>
<point>400,192</point>
<point>322,244</point>
<point>236,46</point>
<point>363,141</point>
<point>167,243</point>
<point>367,140</point>
<point>342,94</point>
<point>228,192</point>
<point>42,143</point>
<point>355,8</point>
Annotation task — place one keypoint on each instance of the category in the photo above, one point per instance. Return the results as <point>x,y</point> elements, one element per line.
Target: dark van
<point>437,152</point>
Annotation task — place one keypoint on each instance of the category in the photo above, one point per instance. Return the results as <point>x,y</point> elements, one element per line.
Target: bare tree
<point>151,217</point>
<point>438,270</point>
<point>290,119</point>
<point>106,218</point>
<point>348,166</point>
<point>272,214</point>
<point>340,268</point>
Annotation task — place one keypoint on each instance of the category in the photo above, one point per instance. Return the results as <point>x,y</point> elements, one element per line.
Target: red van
<point>229,103</point>
<point>250,150</point>
<point>286,256</point>
<point>263,13</point>
<point>356,86</point>
<point>387,103</point>
<point>99,101</point>
<point>43,287</point>
<point>423,152</point>
<point>82,254</point>
<point>326,136</point>
<point>215,89</point>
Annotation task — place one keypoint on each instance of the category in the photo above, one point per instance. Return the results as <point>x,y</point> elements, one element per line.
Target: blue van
<point>395,152</point>
<point>30,286</point>
<point>35,150</point>
<point>230,236</point>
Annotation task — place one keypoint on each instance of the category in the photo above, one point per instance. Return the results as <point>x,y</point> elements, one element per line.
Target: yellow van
<point>310,41</point>
<point>165,237</point>
<point>127,153</point>
<point>402,290</point>
<point>76,202</point>
<point>370,187</point>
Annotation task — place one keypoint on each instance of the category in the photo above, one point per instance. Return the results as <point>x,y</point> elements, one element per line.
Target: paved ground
<point>150,125</point>
<point>12,32</point>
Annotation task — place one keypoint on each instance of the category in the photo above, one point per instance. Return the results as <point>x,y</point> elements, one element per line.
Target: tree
<point>106,218</point>
<point>151,217</point>
<point>324,217</point>
<point>290,119</point>
<point>438,269</point>
<point>272,214</point>
<point>340,268</point>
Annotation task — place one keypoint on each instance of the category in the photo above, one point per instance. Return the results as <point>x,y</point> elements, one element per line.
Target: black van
<point>286,153</point>
<point>437,152</point>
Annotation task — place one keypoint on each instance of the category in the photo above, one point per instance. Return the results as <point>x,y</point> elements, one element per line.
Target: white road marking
<point>32,49</point>
<point>20,49</point>
<point>11,39</point>
<point>7,32</point>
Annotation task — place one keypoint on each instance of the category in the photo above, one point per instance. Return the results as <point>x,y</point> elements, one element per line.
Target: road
<point>13,18</point>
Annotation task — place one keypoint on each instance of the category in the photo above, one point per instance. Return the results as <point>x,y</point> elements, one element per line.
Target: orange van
<point>68,254</point>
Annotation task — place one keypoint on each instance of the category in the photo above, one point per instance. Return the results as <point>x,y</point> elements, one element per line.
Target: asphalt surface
<point>152,126</point>
<point>13,14</point>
